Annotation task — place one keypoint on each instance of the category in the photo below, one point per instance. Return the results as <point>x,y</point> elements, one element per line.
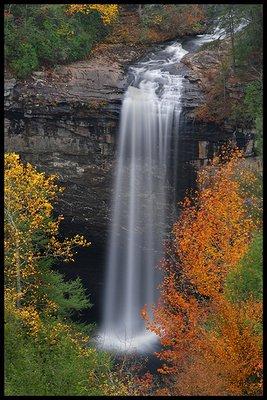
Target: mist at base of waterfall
<point>142,343</point>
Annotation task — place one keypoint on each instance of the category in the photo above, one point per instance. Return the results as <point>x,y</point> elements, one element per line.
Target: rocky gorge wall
<point>65,121</point>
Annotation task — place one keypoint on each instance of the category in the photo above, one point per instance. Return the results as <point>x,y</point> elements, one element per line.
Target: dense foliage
<point>45,353</point>
<point>39,35</point>
<point>247,281</point>
<point>45,35</point>
<point>108,12</point>
<point>155,23</point>
<point>209,316</point>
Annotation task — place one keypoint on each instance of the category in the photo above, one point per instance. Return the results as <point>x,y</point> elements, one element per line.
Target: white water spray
<point>150,110</point>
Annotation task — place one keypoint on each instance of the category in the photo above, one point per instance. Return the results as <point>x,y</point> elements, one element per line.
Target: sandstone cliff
<point>65,121</point>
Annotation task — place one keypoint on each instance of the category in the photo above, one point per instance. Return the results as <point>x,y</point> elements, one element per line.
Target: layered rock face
<point>198,140</point>
<point>66,120</point>
<point>201,66</point>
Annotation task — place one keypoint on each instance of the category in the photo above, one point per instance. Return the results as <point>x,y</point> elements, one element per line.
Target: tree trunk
<point>232,36</point>
<point>139,10</point>
<point>17,260</point>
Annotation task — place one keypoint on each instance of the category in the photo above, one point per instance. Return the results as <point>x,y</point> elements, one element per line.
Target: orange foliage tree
<point>211,346</point>
<point>184,19</point>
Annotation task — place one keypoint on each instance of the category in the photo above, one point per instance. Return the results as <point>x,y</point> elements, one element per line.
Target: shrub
<point>26,62</point>
<point>48,35</point>
<point>246,281</point>
<point>51,364</point>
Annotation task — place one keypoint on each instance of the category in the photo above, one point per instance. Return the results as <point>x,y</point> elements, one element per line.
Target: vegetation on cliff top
<point>44,35</point>
<point>235,91</point>
<point>39,35</point>
<point>155,23</point>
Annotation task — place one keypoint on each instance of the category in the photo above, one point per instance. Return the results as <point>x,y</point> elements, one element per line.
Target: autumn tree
<point>44,348</point>
<point>211,345</point>
<point>31,237</point>
<point>178,19</point>
<point>108,12</point>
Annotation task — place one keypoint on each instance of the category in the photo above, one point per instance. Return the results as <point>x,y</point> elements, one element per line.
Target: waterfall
<point>149,115</point>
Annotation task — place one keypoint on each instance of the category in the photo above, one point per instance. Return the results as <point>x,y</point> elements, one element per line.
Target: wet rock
<point>38,74</point>
<point>203,64</point>
<point>9,91</point>
<point>192,78</point>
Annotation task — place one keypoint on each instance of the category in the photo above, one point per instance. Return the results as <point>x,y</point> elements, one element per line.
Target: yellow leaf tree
<point>31,235</point>
<point>108,12</point>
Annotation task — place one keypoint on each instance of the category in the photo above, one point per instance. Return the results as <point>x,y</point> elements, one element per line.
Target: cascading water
<point>150,110</point>
<point>149,116</point>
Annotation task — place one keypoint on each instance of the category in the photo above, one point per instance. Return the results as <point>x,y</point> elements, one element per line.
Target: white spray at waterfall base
<point>149,111</point>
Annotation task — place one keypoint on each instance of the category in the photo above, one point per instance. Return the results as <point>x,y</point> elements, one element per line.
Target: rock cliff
<point>65,121</point>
